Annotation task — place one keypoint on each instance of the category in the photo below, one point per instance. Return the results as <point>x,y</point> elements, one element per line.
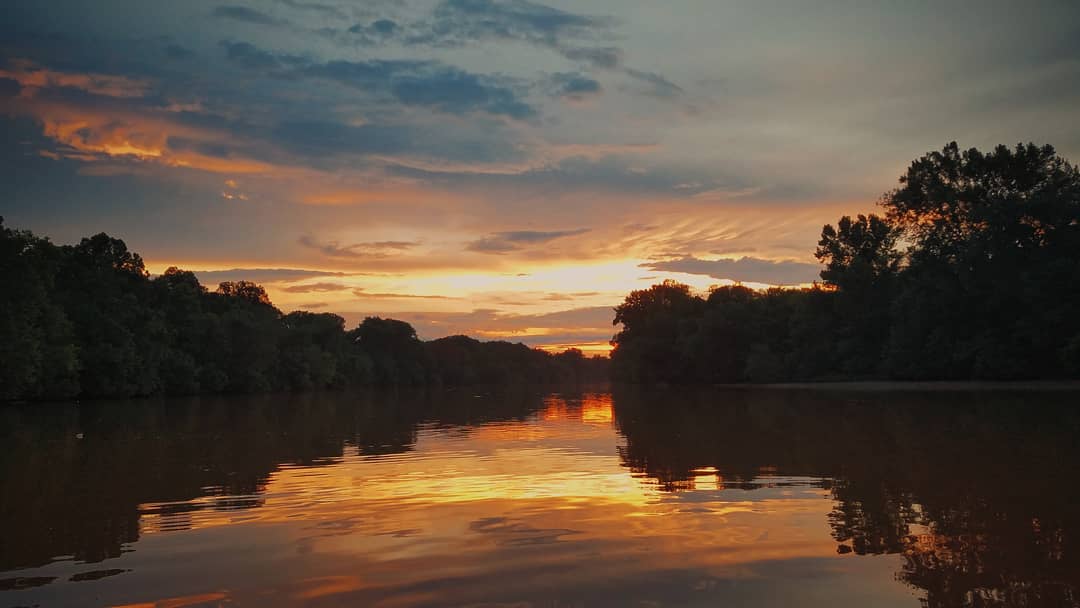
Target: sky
<point>505,169</point>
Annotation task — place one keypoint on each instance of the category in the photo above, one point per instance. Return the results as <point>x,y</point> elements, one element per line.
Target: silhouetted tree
<point>38,356</point>
<point>987,287</point>
<point>993,279</point>
<point>861,262</point>
<point>396,353</point>
<point>88,320</point>
<point>655,323</point>
<point>105,292</point>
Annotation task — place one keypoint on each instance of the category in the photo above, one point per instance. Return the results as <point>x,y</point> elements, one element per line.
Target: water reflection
<point>752,497</point>
<point>976,491</point>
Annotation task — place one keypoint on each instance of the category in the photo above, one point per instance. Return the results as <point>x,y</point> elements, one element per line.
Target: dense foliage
<point>973,272</point>
<point>88,320</point>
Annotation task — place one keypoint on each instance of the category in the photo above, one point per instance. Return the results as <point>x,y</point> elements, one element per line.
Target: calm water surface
<point>709,498</point>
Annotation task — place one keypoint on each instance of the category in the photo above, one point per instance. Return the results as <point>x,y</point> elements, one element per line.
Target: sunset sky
<point>502,168</point>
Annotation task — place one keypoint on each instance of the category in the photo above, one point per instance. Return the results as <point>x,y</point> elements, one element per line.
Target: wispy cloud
<point>656,85</point>
<point>246,15</point>
<point>744,269</point>
<point>359,292</point>
<point>326,10</point>
<point>574,86</point>
<point>504,242</point>
<point>261,275</point>
<point>316,288</point>
<point>375,249</point>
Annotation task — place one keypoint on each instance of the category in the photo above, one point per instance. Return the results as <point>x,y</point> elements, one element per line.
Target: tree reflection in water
<point>73,477</point>
<point>976,490</point>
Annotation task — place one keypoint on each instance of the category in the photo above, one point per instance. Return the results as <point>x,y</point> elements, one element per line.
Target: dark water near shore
<point>741,497</point>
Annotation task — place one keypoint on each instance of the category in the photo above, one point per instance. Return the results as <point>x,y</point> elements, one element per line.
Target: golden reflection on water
<point>502,499</point>
<point>567,502</point>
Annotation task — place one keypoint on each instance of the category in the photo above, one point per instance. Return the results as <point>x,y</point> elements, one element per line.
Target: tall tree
<point>992,287</point>
<point>861,262</point>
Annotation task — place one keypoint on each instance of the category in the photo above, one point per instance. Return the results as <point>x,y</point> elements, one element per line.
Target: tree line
<point>971,272</point>
<point>88,320</point>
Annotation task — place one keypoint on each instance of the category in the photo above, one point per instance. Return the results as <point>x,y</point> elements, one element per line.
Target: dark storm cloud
<point>745,269</point>
<point>247,15</point>
<point>514,240</point>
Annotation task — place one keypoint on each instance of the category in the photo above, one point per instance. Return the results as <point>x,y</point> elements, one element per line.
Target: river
<point>865,496</point>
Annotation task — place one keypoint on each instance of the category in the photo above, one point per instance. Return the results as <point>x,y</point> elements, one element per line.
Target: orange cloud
<point>94,133</point>
<point>32,77</point>
<point>89,134</point>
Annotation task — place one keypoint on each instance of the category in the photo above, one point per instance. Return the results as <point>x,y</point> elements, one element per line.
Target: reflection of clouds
<point>411,522</point>
<point>517,533</point>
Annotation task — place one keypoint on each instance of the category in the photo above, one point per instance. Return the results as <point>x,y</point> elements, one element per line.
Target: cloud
<point>361,293</point>
<point>658,86</point>
<point>316,288</point>
<point>457,92</point>
<point>574,86</point>
<point>377,249</point>
<point>573,326</point>
<point>609,173</point>
<point>603,57</point>
<point>743,270</point>
<point>505,242</point>
<point>456,23</point>
<point>9,87</point>
<point>429,84</point>
<point>247,15</point>
<point>177,52</point>
<point>32,77</point>
<point>251,57</point>
<point>315,7</point>
<point>512,19</point>
<point>566,297</point>
<point>334,144</point>
<point>375,32</point>
<point>261,275</point>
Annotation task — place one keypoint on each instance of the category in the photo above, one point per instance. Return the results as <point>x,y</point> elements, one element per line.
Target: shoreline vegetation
<point>971,274</point>
<point>88,321</point>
